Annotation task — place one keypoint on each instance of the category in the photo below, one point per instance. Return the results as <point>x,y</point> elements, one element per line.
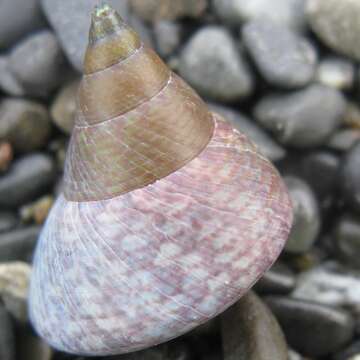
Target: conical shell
<point>168,216</point>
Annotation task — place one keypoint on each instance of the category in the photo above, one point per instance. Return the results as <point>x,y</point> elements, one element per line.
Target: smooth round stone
<point>155,10</point>
<point>212,64</point>
<point>24,123</point>
<point>302,119</point>
<point>347,238</point>
<point>63,109</point>
<point>288,13</point>
<point>28,178</point>
<point>250,332</point>
<point>167,36</point>
<point>344,139</point>
<point>7,221</point>
<point>267,146</point>
<point>17,19</point>
<point>18,245</point>
<point>337,24</point>
<point>8,82</point>
<point>336,72</point>
<point>311,328</point>
<point>350,176</point>
<point>307,220</point>
<point>278,280</point>
<point>288,62</point>
<point>7,338</point>
<point>37,63</point>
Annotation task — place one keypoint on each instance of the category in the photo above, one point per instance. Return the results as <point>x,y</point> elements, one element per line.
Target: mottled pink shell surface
<point>118,275</point>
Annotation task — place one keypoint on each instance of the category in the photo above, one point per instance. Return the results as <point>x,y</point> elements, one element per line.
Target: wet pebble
<point>265,143</point>
<point>302,119</point>
<point>7,337</point>
<point>17,19</point>
<point>14,284</point>
<point>336,72</point>
<point>25,124</point>
<point>168,37</point>
<point>18,245</point>
<point>288,62</point>
<point>37,63</point>
<point>347,238</point>
<point>155,10</point>
<point>311,328</point>
<point>350,176</point>
<point>307,221</point>
<point>344,139</point>
<point>250,332</point>
<point>212,64</point>
<point>63,109</point>
<point>278,280</point>
<point>8,221</point>
<point>337,24</point>
<point>289,13</point>
<point>9,84</point>
<point>27,178</point>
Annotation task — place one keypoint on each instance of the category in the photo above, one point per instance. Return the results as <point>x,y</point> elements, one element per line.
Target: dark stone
<point>7,221</point>
<point>7,338</point>
<point>18,245</point>
<point>311,328</point>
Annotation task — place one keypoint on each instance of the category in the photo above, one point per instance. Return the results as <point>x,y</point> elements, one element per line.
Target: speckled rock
<point>155,10</point>
<point>17,19</point>
<point>63,108</point>
<point>211,63</point>
<point>24,123</point>
<point>289,13</point>
<point>265,143</point>
<point>27,178</point>
<point>7,221</point>
<point>18,245</point>
<point>310,328</point>
<point>288,62</point>
<point>37,63</point>
<point>250,332</point>
<point>7,338</point>
<point>8,82</point>
<point>337,72</point>
<point>306,226</point>
<point>167,36</point>
<point>302,119</point>
<point>337,24</point>
<point>350,176</point>
<point>14,284</point>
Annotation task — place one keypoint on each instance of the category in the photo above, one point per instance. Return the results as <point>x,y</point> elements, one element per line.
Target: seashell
<point>168,214</point>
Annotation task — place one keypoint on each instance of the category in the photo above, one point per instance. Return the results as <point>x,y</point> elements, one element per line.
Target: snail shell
<point>168,215</point>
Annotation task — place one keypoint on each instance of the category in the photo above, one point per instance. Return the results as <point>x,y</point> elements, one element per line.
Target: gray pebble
<point>350,176</point>
<point>306,225</point>
<point>330,284</point>
<point>7,221</point>
<point>343,139</point>
<point>24,123</point>
<point>37,63</point>
<point>17,19</point>
<point>250,332</point>
<point>311,328</point>
<point>8,82</point>
<point>267,146</point>
<point>63,109</point>
<point>167,36</point>
<point>28,178</point>
<point>288,62</point>
<point>302,119</point>
<point>347,238</point>
<point>7,336</point>
<point>278,280</point>
<point>336,72</point>
<point>289,13</point>
<point>337,24</point>
<point>352,352</point>
<point>212,64</point>
<point>18,245</point>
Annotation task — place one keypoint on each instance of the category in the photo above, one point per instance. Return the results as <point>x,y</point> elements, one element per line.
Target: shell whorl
<point>137,122</point>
